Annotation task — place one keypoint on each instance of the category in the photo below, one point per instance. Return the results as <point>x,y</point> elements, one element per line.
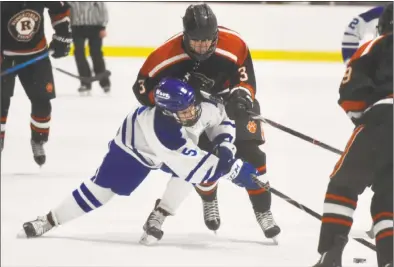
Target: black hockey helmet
<point>200,29</point>
<point>385,23</point>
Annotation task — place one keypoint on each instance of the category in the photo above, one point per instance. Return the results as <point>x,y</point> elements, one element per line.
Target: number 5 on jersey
<point>189,152</point>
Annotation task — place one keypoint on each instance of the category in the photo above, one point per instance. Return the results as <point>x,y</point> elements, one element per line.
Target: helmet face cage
<point>200,31</point>
<point>189,116</point>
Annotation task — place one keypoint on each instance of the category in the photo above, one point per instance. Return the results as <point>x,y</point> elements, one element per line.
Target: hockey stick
<point>279,126</point>
<point>98,77</point>
<point>306,209</point>
<point>24,64</point>
<point>276,192</point>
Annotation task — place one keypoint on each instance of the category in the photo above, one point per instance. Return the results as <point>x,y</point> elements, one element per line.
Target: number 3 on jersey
<point>243,76</point>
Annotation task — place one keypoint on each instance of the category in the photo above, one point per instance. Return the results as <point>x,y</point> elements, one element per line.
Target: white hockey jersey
<point>155,139</point>
<point>362,28</point>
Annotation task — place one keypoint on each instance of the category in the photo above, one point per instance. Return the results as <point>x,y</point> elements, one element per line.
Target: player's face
<point>199,46</point>
<point>189,116</point>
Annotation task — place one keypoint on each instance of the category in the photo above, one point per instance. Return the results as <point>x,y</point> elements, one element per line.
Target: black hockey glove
<point>199,81</point>
<point>238,104</point>
<point>61,41</point>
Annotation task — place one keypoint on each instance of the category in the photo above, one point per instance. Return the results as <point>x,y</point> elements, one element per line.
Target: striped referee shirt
<point>89,14</point>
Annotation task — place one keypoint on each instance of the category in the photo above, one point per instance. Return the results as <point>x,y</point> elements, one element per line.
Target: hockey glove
<point>61,41</point>
<point>243,174</point>
<point>238,104</point>
<point>225,151</point>
<point>199,81</point>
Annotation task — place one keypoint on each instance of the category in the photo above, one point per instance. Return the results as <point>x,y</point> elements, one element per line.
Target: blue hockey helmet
<point>178,99</point>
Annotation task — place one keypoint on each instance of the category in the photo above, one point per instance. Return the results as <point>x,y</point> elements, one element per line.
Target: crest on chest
<point>24,25</point>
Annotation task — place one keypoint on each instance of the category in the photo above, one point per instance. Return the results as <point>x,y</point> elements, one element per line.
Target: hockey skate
<point>39,226</point>
<point>268,224</point>
<point>333,257</point>
<point>211,214</point>
<point>38,152</point>
<point>106,89</point>
<point>152,227</point>
<point>84,90</point>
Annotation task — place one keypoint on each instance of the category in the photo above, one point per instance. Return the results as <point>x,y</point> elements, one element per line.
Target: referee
<point>88,21</point>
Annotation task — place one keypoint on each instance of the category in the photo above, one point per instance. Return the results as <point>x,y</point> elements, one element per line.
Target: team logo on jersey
<point>24,25</point>
<point>162,94</point>
<point>49,87</point>
<point>252,127</point>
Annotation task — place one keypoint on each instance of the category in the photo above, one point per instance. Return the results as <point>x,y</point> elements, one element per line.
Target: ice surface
<point>298,95</point>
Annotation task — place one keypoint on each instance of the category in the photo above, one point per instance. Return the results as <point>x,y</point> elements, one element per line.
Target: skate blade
<point>85,93</point>
<point>21,234</point>
<point>148,240</point>
<point>275,240</point>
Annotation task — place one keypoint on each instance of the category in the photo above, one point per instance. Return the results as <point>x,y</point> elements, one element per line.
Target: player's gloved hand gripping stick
<point>304,137</point>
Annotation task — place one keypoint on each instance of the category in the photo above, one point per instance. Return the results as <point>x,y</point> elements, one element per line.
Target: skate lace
<point>156,219</point>
<point>38,148</point>
<point>41,225</point>
<point>265,220</point>
<point>211,210</point>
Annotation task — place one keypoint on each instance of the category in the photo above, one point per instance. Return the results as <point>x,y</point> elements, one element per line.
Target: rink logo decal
<point>24,25</point>
<point>49,87</point>
<point>252,127</point>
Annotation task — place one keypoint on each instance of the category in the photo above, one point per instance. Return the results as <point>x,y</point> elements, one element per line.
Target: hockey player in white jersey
<point>362,28</point>
<point>162,137</point>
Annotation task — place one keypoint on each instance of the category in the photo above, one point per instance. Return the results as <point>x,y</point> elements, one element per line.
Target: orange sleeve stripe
<point>383,214</point>
<point>230,42</point>
<point>337,221</point>
<point>353,105</point>
<point>248,87</point>
<point>58,17</point>
<point>3,119</point>
<point>342,199</point>
<point>151,96</point>
<point>385,234</point>
<point>166,55</point>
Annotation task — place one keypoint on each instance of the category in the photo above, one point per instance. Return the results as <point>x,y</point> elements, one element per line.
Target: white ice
<point>301,96</point>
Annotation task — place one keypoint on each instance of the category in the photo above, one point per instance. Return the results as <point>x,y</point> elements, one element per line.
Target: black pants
<point>92,34</point>
<point>249,136</point>
<point>366,161</point>
<point>37,81</point>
